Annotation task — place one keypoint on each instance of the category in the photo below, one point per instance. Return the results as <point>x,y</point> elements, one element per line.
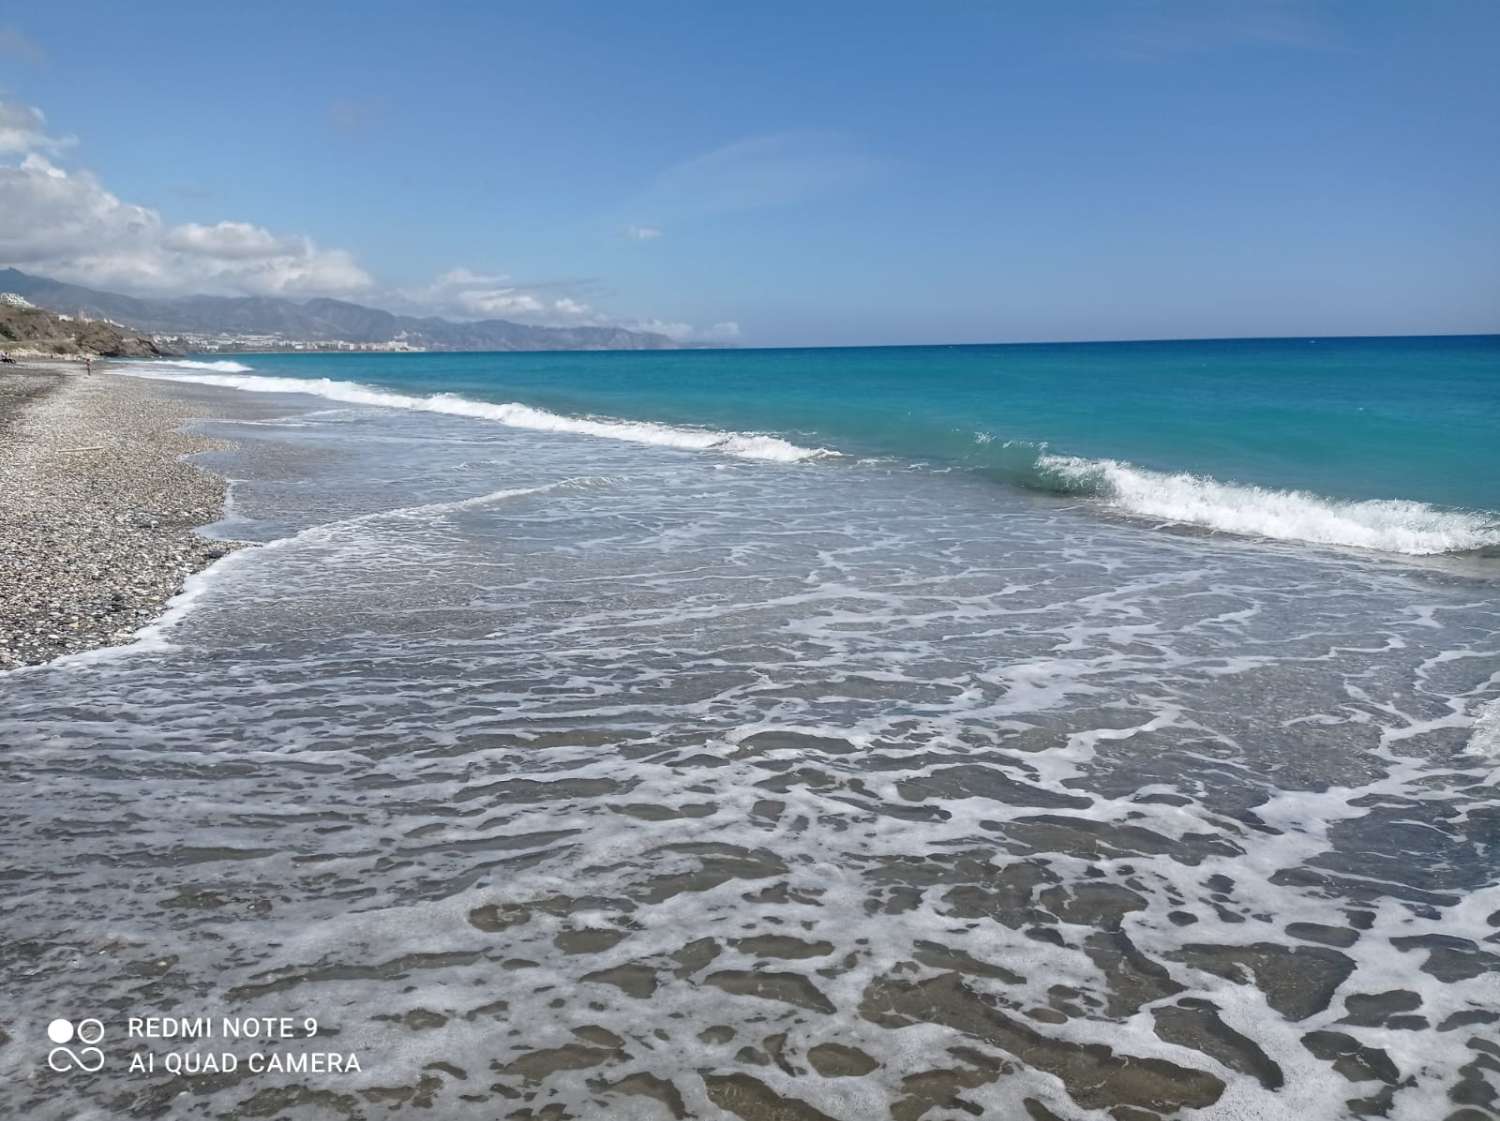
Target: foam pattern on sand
<point>560,778</point>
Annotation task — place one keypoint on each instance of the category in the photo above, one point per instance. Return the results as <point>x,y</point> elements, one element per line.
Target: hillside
<point>32,332</point>
<point>315,320</point>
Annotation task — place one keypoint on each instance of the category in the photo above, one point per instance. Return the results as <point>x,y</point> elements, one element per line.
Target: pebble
<point>93,544</point>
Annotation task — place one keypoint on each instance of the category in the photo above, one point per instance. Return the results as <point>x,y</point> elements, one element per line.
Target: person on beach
<point>88,365</point>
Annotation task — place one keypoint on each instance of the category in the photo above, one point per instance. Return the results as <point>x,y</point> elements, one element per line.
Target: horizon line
<point>889,346</point>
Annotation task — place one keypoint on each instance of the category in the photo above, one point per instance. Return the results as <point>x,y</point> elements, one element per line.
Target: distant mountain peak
<point>318,320</point>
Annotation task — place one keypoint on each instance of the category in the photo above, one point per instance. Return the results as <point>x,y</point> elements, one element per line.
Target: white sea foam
<point>1389,525</point>
<point>525,719</point>
<point>223,366</point>
<point>434,509</point>
<point>1485,739</point>
<point>152,638</point>
<point>745,445</point>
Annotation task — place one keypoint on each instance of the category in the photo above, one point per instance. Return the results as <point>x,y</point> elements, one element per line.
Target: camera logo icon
<point>87,1058</point>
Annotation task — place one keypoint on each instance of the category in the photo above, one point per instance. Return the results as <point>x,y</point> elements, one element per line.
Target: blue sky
<point>776,173</point>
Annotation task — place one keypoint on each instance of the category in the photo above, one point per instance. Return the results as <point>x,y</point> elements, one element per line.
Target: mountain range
<point>313,321</point>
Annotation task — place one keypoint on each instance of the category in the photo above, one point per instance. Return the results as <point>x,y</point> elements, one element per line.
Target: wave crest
<point>1388,525</point>
<point>223,366</point>
<point>745,445</point>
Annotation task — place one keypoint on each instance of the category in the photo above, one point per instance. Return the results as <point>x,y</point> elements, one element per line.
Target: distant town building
<point>228,343</point>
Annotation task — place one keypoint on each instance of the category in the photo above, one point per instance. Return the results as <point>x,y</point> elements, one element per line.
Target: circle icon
<point>60,1031</point>
<point>90,1031</point>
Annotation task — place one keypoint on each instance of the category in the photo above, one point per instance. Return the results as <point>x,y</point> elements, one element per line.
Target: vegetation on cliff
<point>30,331</point>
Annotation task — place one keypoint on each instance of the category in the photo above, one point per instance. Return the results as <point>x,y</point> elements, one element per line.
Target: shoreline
<point>666,696</point>
<point>1264,496</point>
<point>98,511</point>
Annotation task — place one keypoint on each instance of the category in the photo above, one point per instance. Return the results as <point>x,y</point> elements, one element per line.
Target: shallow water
<point>565,777</point>
<point>1378,443</point>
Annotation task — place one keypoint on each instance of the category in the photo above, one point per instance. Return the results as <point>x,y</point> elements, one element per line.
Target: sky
<point>774,174</point>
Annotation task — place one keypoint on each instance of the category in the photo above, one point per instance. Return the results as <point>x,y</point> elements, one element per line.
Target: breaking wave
<point>223,366</point>
<point>1389,525</point>
<point>1404,526</point>
<point>745,445</point>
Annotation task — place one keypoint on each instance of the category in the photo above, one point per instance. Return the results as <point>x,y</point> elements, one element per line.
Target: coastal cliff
<point>30,332</point>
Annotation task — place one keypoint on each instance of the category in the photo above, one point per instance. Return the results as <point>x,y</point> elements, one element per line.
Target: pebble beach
<point>97,508</point>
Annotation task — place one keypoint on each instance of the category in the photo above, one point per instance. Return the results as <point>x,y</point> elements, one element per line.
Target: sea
<point>1048,732</point>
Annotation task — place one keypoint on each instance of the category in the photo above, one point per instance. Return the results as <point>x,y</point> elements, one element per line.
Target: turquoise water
<point>618,770</point>
<point>1348,418</point>
<point>1375,443</point>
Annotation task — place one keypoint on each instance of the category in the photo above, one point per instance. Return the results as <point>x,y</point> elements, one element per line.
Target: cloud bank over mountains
<point>466,294</point>
<point>65,223</point>
<point>475,295</point>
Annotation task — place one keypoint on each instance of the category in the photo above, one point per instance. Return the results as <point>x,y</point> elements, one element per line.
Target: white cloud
<point>465,278</point>
<point>728,331</point>
<point>235,240</point>
<point>570,307</point>
<point>24,129</point>
<point>686,333</point>
<point>501,302</point>
<point>66,225</point>
<point>468,294</point>
<point>464,293</point>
